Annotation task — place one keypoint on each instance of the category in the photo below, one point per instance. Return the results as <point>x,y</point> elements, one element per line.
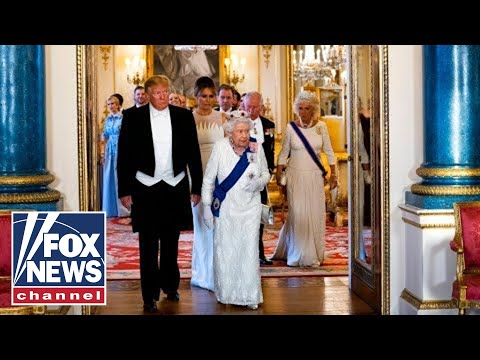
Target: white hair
<point>231,123</point>
<point>306,96</point>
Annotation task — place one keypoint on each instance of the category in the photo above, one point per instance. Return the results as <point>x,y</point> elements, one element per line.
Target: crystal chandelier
<point>195,47</point>
<point>320,65</point>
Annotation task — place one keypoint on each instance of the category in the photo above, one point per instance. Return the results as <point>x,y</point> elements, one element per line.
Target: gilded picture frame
<point>165,60</point>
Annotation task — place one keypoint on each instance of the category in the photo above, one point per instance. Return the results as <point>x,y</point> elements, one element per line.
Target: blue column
<point>23,174</point>
<point>451,167</point>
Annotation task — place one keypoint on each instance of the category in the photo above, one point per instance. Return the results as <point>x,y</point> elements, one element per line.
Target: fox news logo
<point>58,258</point>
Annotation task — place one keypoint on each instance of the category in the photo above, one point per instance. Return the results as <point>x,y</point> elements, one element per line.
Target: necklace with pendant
<point>306,126</point>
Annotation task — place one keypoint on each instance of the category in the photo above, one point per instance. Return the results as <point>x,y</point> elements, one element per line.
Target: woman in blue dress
<point>110,202</point>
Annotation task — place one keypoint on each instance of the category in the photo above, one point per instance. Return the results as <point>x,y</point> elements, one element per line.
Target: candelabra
<point>322,66</point>
<point>135,70</point>
<point>235,69</point>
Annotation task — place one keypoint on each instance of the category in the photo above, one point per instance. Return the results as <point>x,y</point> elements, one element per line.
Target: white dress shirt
<point>221,110</point>
<point>162,145</point>
<point>257,125</point>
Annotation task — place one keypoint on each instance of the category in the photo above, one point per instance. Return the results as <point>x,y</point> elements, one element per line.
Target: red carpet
<point>123,262</point>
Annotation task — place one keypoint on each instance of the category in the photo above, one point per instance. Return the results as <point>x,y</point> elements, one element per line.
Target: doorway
<point>369,280</point>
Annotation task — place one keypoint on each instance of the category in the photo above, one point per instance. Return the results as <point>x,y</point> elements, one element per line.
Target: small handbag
<point>283,179</point>
<point>267,215</point>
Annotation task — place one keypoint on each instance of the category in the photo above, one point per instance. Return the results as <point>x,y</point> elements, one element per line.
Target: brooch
<point>318,130</point>
<point>269,132</point>
<point>216,204</point>
<point>251,157</point>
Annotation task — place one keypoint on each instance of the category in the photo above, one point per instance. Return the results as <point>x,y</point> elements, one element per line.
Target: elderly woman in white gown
<point>235,253</point>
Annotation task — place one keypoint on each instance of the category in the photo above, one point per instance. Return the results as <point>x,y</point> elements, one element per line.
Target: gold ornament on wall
<point>105,50</point>
<point>266,53</point>
<point>268,109</point>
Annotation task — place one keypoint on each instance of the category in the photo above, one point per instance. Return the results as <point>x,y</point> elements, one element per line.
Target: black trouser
<point>264,199</point>
<point>155,213</point>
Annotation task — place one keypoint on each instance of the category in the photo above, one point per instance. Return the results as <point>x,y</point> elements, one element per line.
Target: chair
<point>6,307</point>
<point>466,243</point>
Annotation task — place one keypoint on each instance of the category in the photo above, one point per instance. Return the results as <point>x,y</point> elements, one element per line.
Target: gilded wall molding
<point>17,310</point>
<point>427,212</point>
<point>105,50</point>
<point>445,190</point>
<point>447,172</point>
<point>43,197</point>
<point>266,49</point>
<point>290,83</point>
<point>426,304</point>
<point>27,180</point>
<point>386,183</point>
<point>82,127</point>
<point>268,110</point>
<point>88,176</point>
<point>428,226</point>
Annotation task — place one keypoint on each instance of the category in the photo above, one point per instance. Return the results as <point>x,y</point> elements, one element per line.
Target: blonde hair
<point>156,80</point>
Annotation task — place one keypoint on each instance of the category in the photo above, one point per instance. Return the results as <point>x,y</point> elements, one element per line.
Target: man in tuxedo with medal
<point>263,131</point>
<point>157,143</point>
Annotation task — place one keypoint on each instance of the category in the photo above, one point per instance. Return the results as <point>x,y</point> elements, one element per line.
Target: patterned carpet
<point>122,252</point>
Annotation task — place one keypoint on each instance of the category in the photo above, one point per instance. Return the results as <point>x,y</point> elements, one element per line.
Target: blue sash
<point>309,148</point>
<point>220,191</point>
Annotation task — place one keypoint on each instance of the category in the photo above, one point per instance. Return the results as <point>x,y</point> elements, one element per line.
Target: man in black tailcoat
<point>157,143</point>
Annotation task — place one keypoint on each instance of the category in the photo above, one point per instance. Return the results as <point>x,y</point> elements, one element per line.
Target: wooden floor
<point>282,296</point>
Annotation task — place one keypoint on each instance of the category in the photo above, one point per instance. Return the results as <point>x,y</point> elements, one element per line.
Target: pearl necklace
<point>233,147</point>
<point>306,126</point>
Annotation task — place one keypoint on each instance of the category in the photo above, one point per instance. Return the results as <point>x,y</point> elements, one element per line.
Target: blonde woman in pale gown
<point>209,130</point>
<point>301,240</point>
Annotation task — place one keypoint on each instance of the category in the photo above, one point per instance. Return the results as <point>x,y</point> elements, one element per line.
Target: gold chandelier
<point>321,64</point>
<point>135,70</point>
<point>235,69</point>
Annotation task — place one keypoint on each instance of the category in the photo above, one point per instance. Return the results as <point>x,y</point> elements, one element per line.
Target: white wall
<point>61,122</point>
<point>406,150</point>
<point>252,81</point>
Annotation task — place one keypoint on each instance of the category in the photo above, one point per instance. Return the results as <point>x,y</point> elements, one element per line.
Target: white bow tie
<point>157,114</point>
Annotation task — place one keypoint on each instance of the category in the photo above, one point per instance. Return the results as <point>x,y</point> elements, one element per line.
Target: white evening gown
<point>208,132</point>
<point>301,241</point>
<point>235,258</point>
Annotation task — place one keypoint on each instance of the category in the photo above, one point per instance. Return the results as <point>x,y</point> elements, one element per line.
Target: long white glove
<point>254,186</point>
<point>208,216</point>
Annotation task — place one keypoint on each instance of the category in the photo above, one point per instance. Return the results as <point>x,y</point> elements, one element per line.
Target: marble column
<point>24,178</point>
<point>451,167</point>
<point>450,173</point>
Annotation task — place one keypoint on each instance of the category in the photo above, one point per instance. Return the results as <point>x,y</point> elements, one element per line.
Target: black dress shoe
<point>150,306</point>
<point>173,295</point>
<point>264,261</point>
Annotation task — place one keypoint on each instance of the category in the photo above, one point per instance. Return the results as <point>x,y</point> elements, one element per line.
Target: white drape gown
<point>301,240</point>
<point>235,252</point>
